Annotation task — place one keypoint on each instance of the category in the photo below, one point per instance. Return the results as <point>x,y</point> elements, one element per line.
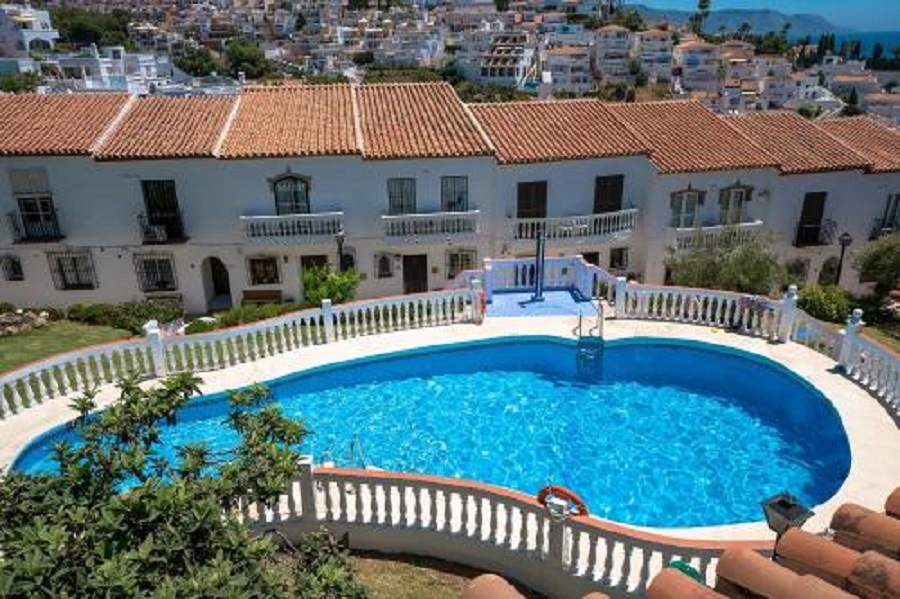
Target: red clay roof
<point>685,137</point>
<point>797,143</point>
<point>549,131</point>
<point>167,127</point>
<point>301,120</point>
<point>425,120</point>
<point>32,124</point>
<point>878,143</point>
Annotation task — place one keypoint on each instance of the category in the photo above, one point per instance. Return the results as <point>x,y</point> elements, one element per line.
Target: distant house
<point>613,46</point>
<point>24,29</point>
<point>697,64</point>
<point>654,50</point>
<point>568,69</point>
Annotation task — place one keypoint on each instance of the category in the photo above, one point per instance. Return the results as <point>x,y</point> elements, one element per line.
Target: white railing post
<point>154,337</point>
<point>478,309</point>
<point>488,280</point>
<point>555,539</point>
<point>621,290</point>
<point>328,317</point>
<point>851,333</point>
<point>788,314</point>
<point>307,488</point>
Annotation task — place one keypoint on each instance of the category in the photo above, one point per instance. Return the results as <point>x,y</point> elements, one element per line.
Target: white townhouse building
<point>226,199</point>
<point>568,69</point>
<point>654,49</point>
<point>613,45</point>
<point>697,65</point>
<point>23,29</point>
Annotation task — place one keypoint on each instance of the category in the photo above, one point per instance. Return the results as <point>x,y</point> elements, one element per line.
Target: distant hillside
<point>760,20</point>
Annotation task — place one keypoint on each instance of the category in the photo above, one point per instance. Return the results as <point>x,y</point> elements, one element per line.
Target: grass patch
<point>56,337</point>
<point>885,334</point>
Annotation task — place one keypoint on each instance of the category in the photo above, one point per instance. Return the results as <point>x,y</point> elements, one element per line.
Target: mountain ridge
<point>760,20</point>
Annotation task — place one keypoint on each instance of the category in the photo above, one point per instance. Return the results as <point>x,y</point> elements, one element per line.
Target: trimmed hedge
<point>129,316</point>
<point>827,302</point>
<point>244,315</point>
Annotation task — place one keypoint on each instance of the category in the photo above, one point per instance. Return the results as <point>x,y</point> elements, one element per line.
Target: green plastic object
<point>689,570</point>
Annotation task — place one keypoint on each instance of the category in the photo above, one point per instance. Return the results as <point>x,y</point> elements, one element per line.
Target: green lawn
<point>57,337</point>
<point>888,335</point>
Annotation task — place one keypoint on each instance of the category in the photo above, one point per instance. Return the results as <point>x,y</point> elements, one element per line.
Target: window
<point>263,270</point>
<point>891,218</point>
<point>460,260</point>
<point>38,218</point>
<point>401,196</point>
<point>72,270</point>
<point>155,272</point>
<point>684,208</point>
<point>12,268</point>
<point>384,266</point>
<point>291,195</point>
<point>608,194</point>
<point>315,261</point>
<point>454,194</point>
<point>532,200</point>
<point>618,258</point>
<point>732,201</point>
<point>162,222</point>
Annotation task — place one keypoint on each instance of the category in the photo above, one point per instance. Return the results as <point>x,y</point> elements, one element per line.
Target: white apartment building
<point>220,200</point>
<point>613,45</point>
<point>697,65</point>
<point>568,69</point>
<point>654,50</point>
<point>23,29</point>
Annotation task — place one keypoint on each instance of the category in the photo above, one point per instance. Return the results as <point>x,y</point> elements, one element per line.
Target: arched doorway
<point>829,272</point>
<point>216,284</point>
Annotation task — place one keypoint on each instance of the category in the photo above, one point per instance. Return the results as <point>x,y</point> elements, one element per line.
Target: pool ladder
<point>357,455</point>
<point>589,348</point>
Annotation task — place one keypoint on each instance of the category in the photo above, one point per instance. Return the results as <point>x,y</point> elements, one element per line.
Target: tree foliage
<point>199,62</point>
<point>323,283</point>
<point>879,261</point>
<point>246,57</point>
<point>630,18</point>
<point>18,83</point>
<point>120,520</point>
<point>744,267</point>
<point>825,302</point>
<point>82,27</point>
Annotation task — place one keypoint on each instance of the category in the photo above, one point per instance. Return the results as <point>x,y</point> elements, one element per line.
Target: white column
<point>488,281</point>
<point>153,335</point>
<point>476,294</point>
<point>621,290</point>
<point>851,333</point>
<point>788,314</point>
<point>328,317</point>
<point>307,489</point>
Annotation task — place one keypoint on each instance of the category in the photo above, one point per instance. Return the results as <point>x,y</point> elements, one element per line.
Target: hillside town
<point>543,49</point>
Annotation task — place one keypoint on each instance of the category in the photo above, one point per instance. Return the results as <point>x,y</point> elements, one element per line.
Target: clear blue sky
<point>865,15</point>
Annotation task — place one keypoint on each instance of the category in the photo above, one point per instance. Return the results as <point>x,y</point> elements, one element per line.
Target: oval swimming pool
<point>662,433</point>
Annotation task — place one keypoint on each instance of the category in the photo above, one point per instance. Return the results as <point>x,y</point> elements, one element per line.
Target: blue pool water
<point>670,434</point>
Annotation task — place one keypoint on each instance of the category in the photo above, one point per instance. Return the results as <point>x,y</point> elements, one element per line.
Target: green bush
<point>200,326</point>
<point>324,569</point>
<point>828,302</point>
<point>243,315</point>
<point>7,307</point>
<point>52,313</point>
<point>129,316</point>
<point>323,283</point>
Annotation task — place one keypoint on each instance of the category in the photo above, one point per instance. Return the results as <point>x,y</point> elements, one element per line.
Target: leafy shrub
<point>6,307</point>
<point>323,283</point>
<point>52,313</point>
<point>742,267</point>
<point>879,262</point>
<point>828,302</point>
<point>129,316</point>
<point>324,569</point>
<point>200,326</point>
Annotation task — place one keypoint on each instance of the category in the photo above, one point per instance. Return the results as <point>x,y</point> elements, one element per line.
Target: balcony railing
<point>293,227</point>
<point>815,234</point>
<point>596,226</point>
<point>162,228</point>
<point>34,230</point>
<point>435,224</point>
<point>883,227</point>
<point>687,238</point>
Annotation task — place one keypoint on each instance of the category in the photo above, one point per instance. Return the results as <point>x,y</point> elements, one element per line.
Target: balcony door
<point>608,194</point>
<point>161,208</point>
<point>532,200</point>
<point>811,215</point>
<point>415,273</point>
<point>38,218</point>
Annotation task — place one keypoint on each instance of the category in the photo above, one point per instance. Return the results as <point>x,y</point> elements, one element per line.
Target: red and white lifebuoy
<point>483,303</point>
<point>563,493</point>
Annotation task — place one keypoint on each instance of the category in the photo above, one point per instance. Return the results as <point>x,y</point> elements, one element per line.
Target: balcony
<point>161,228</point>
<point>815,234</point>
<point>572,229</point>
<point>687,238</point>
<point>319,227</point>
<point>43,228</point>
<point>434,226</point>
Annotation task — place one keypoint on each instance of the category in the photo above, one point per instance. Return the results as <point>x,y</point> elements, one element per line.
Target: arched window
<point>828,274</point>
<point>291,195</point>
<point>384,266</point>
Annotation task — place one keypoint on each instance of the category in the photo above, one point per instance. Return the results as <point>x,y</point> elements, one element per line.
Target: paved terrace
<point>874,438</point>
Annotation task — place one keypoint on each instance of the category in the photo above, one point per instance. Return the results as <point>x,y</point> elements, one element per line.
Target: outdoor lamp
<point>845,240</point>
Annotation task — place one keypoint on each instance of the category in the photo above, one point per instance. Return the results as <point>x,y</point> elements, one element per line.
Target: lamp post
<point>845,240</point>
<point>339,238</point>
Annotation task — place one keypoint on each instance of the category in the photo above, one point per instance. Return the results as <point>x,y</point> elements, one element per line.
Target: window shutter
<point>29,181</point>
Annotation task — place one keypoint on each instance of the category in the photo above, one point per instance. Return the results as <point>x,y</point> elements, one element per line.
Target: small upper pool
<point>663,433</point>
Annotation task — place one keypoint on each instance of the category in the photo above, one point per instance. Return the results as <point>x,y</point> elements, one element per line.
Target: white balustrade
<point>576,227</point>
<point>436,224</point>
<point>686,238</point>
<point>817,335</point>
<point>480,524</point>
<point>293,227</point>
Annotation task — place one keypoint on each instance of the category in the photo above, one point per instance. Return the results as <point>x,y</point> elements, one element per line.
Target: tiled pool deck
<point>554,303</point>
<point>874,438</point>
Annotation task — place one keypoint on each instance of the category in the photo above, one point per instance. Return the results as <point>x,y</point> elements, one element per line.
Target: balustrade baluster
<point>329,501</point>
<point>388,505</point>
<point>343,488</point>
<point>575,558</point>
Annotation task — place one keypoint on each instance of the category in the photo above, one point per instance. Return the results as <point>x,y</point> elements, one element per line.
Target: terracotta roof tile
<point>32,124</point>
<point>550,131</point>
<point>686,137</point>
<point>797,143</point>
<point>299,120</point>
<point>878,143</point>
<point>427,120</point>
<point>167,127</point>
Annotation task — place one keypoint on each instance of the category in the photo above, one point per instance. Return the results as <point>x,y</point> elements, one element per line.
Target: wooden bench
<point>262,296</point>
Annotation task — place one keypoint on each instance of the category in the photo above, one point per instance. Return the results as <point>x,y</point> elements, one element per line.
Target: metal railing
<point>34,230</point>
<point>813,234</point>
<point>161,228</point>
